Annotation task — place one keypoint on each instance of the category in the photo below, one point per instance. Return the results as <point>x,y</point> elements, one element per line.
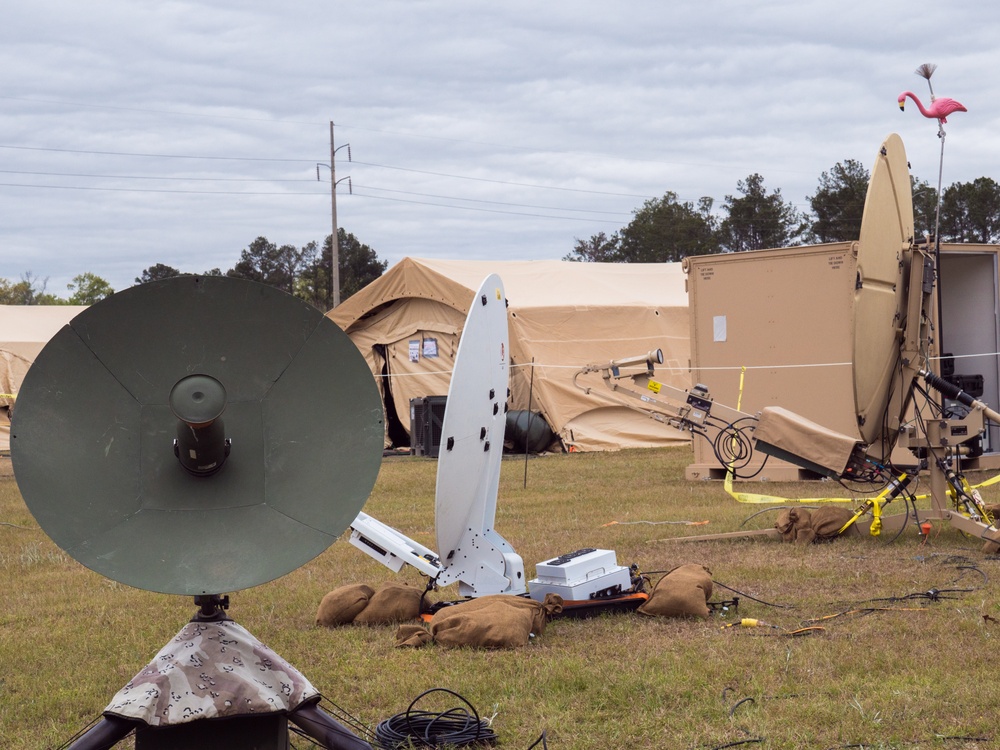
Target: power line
<point>142,110</point>
<point>402,134</point>
<point>152,177</point>
<point>398,133</point>
<point>151,190</point>
<point>501,182</point>
<point>296,194</point>
<point>159,156</point>
<point>95,188</point>
<point>202,115</point>
<point>313,161</point>
<point>301,161</point>
<point>258,180</point>
<point>496,203</point>
<point>485,210</point>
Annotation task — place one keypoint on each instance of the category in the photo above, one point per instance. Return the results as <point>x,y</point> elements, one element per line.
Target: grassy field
<point>898,673</point>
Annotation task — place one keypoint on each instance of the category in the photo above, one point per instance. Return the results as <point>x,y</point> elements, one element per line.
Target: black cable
<point>740,703</point>
<point>456,727</point>
<point>431,584</point>
<point>541,738</point>
<point>759,601</point>
<point>733,448</point>
<point>931,595</point>
<point>908,498</point>
<point>874,480</point>
<point>750,741</point>
<point>343,716</point>
<point>938,737</point>
<point>986,578</point>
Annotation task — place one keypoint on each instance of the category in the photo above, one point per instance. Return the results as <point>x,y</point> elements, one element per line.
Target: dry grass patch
<point>895,674</point>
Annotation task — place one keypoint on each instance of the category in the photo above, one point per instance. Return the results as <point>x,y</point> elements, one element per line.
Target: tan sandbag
<point>682,592</point>
<point>412,636</point>
<point>801,526</point>
<point>343,604</point>
<point>392,602</point>
<point>829,520</point>
<point>793,523</point>
<point>497,621</point>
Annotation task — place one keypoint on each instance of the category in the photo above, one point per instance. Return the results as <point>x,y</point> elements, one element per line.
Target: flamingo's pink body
<point>939,110</point>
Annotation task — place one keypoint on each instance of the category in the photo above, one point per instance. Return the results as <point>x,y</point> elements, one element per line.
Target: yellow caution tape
<point>987,483</point>
<point>753,498</point>
<point>750,497</point>
<point>739,398</point>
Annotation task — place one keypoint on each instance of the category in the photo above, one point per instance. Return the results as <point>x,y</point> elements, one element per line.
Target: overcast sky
<point>135,133</point>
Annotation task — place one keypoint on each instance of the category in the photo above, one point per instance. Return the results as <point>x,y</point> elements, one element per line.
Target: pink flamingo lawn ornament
<point>939,110</point>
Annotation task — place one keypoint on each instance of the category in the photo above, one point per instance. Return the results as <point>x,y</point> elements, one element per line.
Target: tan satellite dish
<point>886,232</point>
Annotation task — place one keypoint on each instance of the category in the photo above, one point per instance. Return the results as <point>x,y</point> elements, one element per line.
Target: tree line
<point>301,271</point>
<point>661,230</point>
<point>666,229</point>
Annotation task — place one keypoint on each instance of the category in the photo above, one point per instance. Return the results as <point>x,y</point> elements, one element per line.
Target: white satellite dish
<point>468,477</point>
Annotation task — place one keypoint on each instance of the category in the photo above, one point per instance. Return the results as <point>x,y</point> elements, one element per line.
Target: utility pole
<point>334,243</point>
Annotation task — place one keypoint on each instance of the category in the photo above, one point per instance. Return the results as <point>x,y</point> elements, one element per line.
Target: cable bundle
<point>456,727</point>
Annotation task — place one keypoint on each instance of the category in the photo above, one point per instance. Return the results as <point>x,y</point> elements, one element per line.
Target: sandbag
<point>829,520</point>
<point>493,622</point>
<point>801,526</point>
<point>392,602</point>
<point>682,592</point>
<point>412,636</point>
<point>794,523</point>
<point>343,604</point>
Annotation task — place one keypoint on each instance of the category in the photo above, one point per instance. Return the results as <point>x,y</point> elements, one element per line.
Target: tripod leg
<point>105,734</point>
<point>326,730</point>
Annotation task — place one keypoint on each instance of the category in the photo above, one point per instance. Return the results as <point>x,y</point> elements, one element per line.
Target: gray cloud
<point>487,131</point>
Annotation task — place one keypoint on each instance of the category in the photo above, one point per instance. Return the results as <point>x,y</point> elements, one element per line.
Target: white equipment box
<point>578,576</point>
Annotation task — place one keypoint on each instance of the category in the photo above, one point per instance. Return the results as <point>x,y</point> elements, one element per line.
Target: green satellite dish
<point>165,370</point>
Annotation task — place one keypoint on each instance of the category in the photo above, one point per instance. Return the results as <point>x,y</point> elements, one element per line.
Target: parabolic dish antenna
<point>886,232</point>
<point>97,416</point>
<point>468,472</point>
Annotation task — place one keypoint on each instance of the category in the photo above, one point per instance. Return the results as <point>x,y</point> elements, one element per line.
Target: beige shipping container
<point>786,316</point>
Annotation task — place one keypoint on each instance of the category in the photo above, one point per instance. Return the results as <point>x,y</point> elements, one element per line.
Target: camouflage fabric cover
<point>211,670</point>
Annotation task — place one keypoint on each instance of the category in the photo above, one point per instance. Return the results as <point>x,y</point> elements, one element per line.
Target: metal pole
<point>527,431</point>
<point>334,243</point>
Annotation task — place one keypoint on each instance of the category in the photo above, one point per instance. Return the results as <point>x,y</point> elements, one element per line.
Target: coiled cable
<point>456,727</point>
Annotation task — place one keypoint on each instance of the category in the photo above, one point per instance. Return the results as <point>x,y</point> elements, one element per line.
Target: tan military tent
<point>24,330</point>
<point>562,315</point>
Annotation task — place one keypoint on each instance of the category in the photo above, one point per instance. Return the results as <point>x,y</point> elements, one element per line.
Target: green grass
<point>920,675</point>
